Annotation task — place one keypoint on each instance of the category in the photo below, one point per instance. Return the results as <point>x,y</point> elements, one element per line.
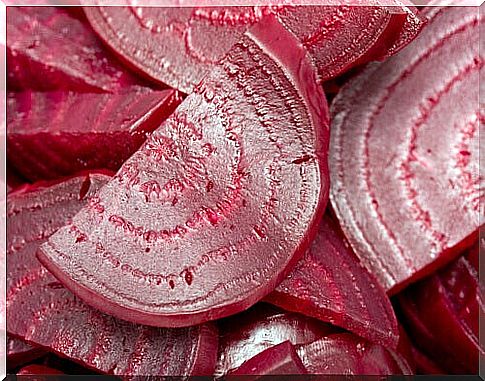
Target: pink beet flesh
<point>218,204</point>
<point>179,46</point>
<point>40,310</point>
<point>50,49</point>
<point>401,207</point>
<point>54,134</point>
<point>330,284</point>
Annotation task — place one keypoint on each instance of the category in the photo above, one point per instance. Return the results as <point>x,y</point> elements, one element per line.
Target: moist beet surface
<point>404,152</point>
<point>216,207</point>
<point>35,369</point>
<point>55,134</point>
<point>280,359</point>
<point>42,311</point>
<point>179,46</point>
<point>19,352</point>
<point>50,49</point>
<point>246,335</point>
<point>330,284</point>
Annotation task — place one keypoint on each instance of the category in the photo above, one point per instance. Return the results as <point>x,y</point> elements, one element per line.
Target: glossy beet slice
<point>348,354</point>
<point>244,336</point>
<point>330,284</point>
<point>19,352</point>
<point>36,369</point>
<point>40,310</point>
<point>50,49</point>
<point>218,204</point>
<point>280,359</point>
<point>179,46</point>
<point>407,200</point>
<point>54,134</point>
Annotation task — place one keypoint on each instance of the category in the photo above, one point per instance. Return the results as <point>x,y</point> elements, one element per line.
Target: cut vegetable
<point>259,329</point>
<point>216,207</point>
<point>19,352</point>
<point>406,185</point>
<point>179,46</point>
<point>35,369</point>
<point>54,134</point>
<point>350,355</point>
<point>40,310</point>
<point>50,49</point>
<point>280,359</point>
<point>330,284</point>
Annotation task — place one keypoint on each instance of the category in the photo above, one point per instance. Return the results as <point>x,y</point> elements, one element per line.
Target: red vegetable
<point>50,49</point>
<point>218,204</point>
<point>54,134</point>
<point>19,352</point>
<point>330,284</point>
<point>404,153</point>
<point>31,370</point>
<point>40,310</point>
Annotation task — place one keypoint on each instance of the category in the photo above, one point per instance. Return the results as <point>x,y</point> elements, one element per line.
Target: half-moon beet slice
<point>179,46</point>
<point>19,352</point>
<point>245,335</point>
<point>50,49</point>
<point>215,208</point>
<point>404,152</point>
<point>348,354</point>
<point>330,284</point>
<point>41,311</point>
<point>54,134</point>
<point>280,359</point>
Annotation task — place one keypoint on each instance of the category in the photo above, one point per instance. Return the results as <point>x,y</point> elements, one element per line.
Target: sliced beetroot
<point>330,284</point>
<point>48,48</point>
<point>218,204</point>
<point>404,153</point>
<point>246,335</point>
<point>19,352</point>
<point>348,354</point>
<point>179,46</point>
<point>54,134</point>
<point>41,311</point>
<point>35,369</point>
<point>280,359</point>
<point>424,365</point>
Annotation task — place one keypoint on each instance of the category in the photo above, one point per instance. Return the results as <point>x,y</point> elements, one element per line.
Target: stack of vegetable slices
<point>184,201</point>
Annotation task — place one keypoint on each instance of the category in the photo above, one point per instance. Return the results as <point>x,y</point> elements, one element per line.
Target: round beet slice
<point>404,146</point>
<point>330,284</point>
<point>42,311</point>
<point>59,133</point>
<point>222,200</point>
<point>179,46</point>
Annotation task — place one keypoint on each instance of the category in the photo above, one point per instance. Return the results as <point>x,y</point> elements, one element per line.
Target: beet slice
<point>19,352</point>
<point>50,49</point>
<point>179,46</point>
<point>424,365</point>
<point>246,335</point>
<point>35,369</point>
<point>348,354</point>
<point>55,134</point>
<point>218,204</point>
<point>330,284</point>
<point>406,200</point>
<point>280,359</point>
<point>41,311</point>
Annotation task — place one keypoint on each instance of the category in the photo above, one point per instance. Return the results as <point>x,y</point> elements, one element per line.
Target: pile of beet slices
<point>244,190</point>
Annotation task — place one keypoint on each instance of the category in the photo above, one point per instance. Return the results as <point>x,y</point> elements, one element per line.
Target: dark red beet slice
<point>179,46</point>
<point>280,359</point>
<point>330,284</point>
<point>424,365</point>
<point>54,134</point>
<point>348,354</point>
<point>50,49</point>
<point>36,369</point>
<point>407,200</point>
<point>218,204</point>
<point>41,311</point>
<point>19,352</point>
<point>245,335</point>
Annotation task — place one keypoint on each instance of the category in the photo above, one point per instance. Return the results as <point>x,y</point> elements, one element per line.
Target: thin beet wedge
<point>329,283</point>
<point>59,133</point>
<point>216,207</point>
<point>43,312</point>
<point>179,46</point>
<point>406,185</point>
